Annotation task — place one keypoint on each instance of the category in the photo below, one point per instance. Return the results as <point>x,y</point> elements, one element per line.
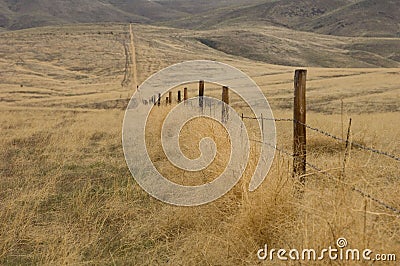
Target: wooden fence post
<point>201,93</point>
<point>347,149</point>
<point>170,97</point>
<point>185,94</point>
<point>299,128</point>
<point>225,107</point>
<point>159,99</point>
<point>179,97</point>
<point>262,127</point>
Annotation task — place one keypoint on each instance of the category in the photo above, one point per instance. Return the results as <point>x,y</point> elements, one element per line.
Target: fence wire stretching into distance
<point>325,173</point>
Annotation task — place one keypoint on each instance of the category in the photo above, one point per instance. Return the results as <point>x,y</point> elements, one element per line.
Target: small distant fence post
<point>225,107</point>
<point>170,97</point>
<point>185,94</point>
<point>299,128</point>
<point>159,99</point>
<point>201,93</point>
<point>179,97</point>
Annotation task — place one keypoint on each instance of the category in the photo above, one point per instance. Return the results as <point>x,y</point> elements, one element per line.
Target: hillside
<point>332,17</point>
<point>365,18</point>
<point>19,14</point>
<point>379,18</point>
<point>279,13</point>
<point>282,46</point>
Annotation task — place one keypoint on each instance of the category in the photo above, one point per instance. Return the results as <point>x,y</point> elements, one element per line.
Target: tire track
<point>133,54</point>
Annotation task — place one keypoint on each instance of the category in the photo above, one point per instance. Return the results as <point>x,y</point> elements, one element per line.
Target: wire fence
<point>325,173</point>
<point>354,144</point>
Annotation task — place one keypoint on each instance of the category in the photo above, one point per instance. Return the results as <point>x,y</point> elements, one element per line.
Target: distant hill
<point>333,17</point>
<point>278,13</point>
<point>19,14</point>
<point>364,18</point>
<point>281,46</point>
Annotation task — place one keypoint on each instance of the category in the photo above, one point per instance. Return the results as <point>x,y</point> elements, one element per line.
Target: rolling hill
<point>19,14</point>
<point>333,17</point>
<point>365,18</point>
<point>278,13</point>
<point>282,46</point>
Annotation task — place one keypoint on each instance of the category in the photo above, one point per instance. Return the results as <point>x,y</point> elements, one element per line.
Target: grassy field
<point>67,196</point>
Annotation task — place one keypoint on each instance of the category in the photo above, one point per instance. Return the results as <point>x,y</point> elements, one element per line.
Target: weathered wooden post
<point>170,97</point>
<point>167,101</point>
<point>299,125</point>
<point>179,97</point>
<point>201,93</point>
<point>225,107</point>
<point>262,127</point>
<point>185,94</point>
<point>159,99</point>
<point>347,149</point>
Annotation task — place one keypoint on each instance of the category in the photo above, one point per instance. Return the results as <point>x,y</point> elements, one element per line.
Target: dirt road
<point>133,52</point>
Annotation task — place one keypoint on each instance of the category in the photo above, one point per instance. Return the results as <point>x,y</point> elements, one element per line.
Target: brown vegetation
<point>66,194</point>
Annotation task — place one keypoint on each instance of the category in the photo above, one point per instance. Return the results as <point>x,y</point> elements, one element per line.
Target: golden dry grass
<point>67,196</point>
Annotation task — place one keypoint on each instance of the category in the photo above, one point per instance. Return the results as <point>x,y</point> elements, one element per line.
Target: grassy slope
<point>339,17</point>
<point>68,197</point>
<point>278,45</point>
<point>364,18</point>
<point>27,14</point>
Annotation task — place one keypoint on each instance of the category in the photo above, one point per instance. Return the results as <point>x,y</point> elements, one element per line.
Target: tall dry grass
<point>68,198</point>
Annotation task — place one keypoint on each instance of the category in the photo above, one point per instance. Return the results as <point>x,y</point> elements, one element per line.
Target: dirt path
<point>133,52</point>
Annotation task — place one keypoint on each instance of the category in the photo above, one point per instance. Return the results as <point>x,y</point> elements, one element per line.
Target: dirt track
<point>133,51</point>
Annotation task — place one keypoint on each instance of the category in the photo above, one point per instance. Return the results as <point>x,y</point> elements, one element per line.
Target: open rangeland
<point>67,196</point>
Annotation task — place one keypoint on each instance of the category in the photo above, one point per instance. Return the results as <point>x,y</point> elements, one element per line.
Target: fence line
<point>321,171</point>
<point>327,134</point>
<point>355,144</point>
<point>299,134</point>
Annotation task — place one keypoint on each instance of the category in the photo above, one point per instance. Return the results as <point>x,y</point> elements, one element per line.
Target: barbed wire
<point>321,171</point>
<point>274,146</point>
<point>269,119</point>
<point>323,132</point>
<point>353,188</point>
<point>354,144</point>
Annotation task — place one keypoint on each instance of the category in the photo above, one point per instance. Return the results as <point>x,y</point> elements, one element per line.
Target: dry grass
<point>67,196</point>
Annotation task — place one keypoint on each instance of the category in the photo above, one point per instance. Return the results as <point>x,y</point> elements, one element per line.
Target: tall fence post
<point>201,93</point>
<point>225,107</point>
<point>299,128</point>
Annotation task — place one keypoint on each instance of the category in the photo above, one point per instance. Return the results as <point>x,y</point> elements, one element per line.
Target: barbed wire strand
<point>354,144</point>
<point>319,170</point>
<point>359,191</point>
